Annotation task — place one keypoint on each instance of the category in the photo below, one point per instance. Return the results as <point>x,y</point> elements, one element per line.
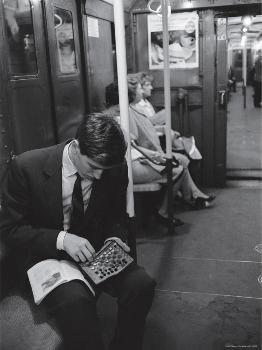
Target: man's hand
<point>120,242</point>
<point>78,248</point>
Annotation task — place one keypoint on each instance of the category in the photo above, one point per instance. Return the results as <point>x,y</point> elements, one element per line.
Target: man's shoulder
<point>38,155</point>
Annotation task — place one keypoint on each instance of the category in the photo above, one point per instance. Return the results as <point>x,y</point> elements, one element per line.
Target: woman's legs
<point>144,173</point>
<point>192,194</point>
<point>182,159</point>
<point>189,189</point>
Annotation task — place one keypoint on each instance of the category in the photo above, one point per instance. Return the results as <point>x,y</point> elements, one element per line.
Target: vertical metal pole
<point>244,72</point>
<point>164,4</point>
<point>123,93</point>
<point>187,115</point>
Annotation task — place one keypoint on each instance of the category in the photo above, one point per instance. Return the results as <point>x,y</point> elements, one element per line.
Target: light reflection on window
<point>20,35</point>
<point>65,40</point>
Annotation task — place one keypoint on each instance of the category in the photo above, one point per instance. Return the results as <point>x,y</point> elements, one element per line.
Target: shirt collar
<point>144,102</point>
<point>68,167</point>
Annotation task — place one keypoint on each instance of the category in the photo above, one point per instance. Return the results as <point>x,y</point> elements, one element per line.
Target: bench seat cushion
<point>148,187</point>
<point>23,326</point>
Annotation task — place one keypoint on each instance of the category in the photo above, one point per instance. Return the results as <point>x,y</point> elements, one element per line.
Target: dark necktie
<point>77,206</point>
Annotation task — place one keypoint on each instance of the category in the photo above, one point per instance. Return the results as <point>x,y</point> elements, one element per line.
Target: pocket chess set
<point>110,260</point>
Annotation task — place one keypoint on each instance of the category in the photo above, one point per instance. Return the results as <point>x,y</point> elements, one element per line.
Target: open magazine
<point>51,273</point>
<point>48,274</point>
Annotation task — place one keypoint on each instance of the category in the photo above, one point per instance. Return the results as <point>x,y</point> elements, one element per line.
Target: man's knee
<point>140,295</point>
<point>72,297</point>
<point>140,283</point>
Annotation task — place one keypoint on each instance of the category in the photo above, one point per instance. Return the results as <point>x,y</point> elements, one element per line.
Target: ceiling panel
<point>254,33</point>
<point>128,4</point>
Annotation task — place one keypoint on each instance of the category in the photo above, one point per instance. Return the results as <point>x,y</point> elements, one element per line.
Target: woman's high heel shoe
<point>202,203</point>
<point>164,221</point>
<point>210,198</point>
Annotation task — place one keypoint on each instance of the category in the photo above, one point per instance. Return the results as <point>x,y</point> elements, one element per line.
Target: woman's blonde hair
<point>133,79</point>
<point>145,77</point>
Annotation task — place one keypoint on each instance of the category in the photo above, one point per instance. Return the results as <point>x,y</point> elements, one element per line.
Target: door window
<point>63,22</point>
<point>20,35</point>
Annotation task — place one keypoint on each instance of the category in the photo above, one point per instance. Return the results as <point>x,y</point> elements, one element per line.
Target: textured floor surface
<point>208,294</point>
<point>244,132</point>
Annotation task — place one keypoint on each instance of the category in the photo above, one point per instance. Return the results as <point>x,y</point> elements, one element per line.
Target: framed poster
<point>183,40</point>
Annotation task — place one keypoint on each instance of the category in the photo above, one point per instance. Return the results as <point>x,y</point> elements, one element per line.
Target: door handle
<point>222,97</point>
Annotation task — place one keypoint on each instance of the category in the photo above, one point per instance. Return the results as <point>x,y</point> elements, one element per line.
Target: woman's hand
<point>158,157</point>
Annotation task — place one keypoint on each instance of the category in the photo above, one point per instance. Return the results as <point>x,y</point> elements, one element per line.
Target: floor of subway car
<point>244,142</point>
<point>208,295</point>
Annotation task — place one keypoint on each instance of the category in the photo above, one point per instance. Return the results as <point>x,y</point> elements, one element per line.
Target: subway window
<point>63,22</point>
<point>20,37</point>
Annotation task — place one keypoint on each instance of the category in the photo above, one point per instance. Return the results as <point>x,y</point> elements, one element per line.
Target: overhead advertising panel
<point>183,40</point>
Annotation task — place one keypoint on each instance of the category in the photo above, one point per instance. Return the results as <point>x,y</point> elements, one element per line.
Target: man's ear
<point>75,147</point>
<point>76,142</point>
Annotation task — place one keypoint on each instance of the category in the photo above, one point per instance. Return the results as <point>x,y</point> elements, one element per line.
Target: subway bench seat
<point>148,187</point>
<point>146,197</point>
<point>25,326</point>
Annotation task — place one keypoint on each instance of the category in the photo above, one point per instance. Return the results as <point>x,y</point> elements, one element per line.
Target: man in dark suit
<point>37,224</point>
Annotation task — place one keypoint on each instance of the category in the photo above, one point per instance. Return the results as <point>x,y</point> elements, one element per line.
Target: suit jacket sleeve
<point>17,227</point>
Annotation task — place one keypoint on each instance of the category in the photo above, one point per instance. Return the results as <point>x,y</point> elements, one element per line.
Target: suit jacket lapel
<point>53,185</point>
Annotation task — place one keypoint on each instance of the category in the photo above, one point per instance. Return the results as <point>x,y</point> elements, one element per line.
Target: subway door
<point>25,79</point>
<point>100,60</point>
<point>65,65</point>
<point>221,102</point>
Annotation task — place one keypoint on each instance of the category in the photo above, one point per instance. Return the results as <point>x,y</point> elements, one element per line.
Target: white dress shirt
<point>68,180</point>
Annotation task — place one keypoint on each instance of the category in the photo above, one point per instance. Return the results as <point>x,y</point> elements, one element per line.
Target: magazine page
<point>44,277</point>
<point>71,271</point>
<point>51,273</point>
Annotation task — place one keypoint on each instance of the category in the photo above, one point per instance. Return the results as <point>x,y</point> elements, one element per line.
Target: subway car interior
<point>198,65</point>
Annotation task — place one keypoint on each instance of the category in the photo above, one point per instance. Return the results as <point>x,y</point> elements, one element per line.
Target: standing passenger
<point>36,225</point>
<point>258,80</point>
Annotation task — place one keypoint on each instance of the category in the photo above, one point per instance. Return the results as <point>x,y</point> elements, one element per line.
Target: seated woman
<point>144,134</point>
<point>158,119</point>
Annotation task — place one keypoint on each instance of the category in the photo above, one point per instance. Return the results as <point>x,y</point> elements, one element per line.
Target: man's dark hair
<point>112,96</point>
<point>101,139</point>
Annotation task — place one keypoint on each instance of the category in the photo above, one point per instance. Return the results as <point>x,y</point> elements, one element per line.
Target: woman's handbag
<point>158,166</point>
<point>188,145</point>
